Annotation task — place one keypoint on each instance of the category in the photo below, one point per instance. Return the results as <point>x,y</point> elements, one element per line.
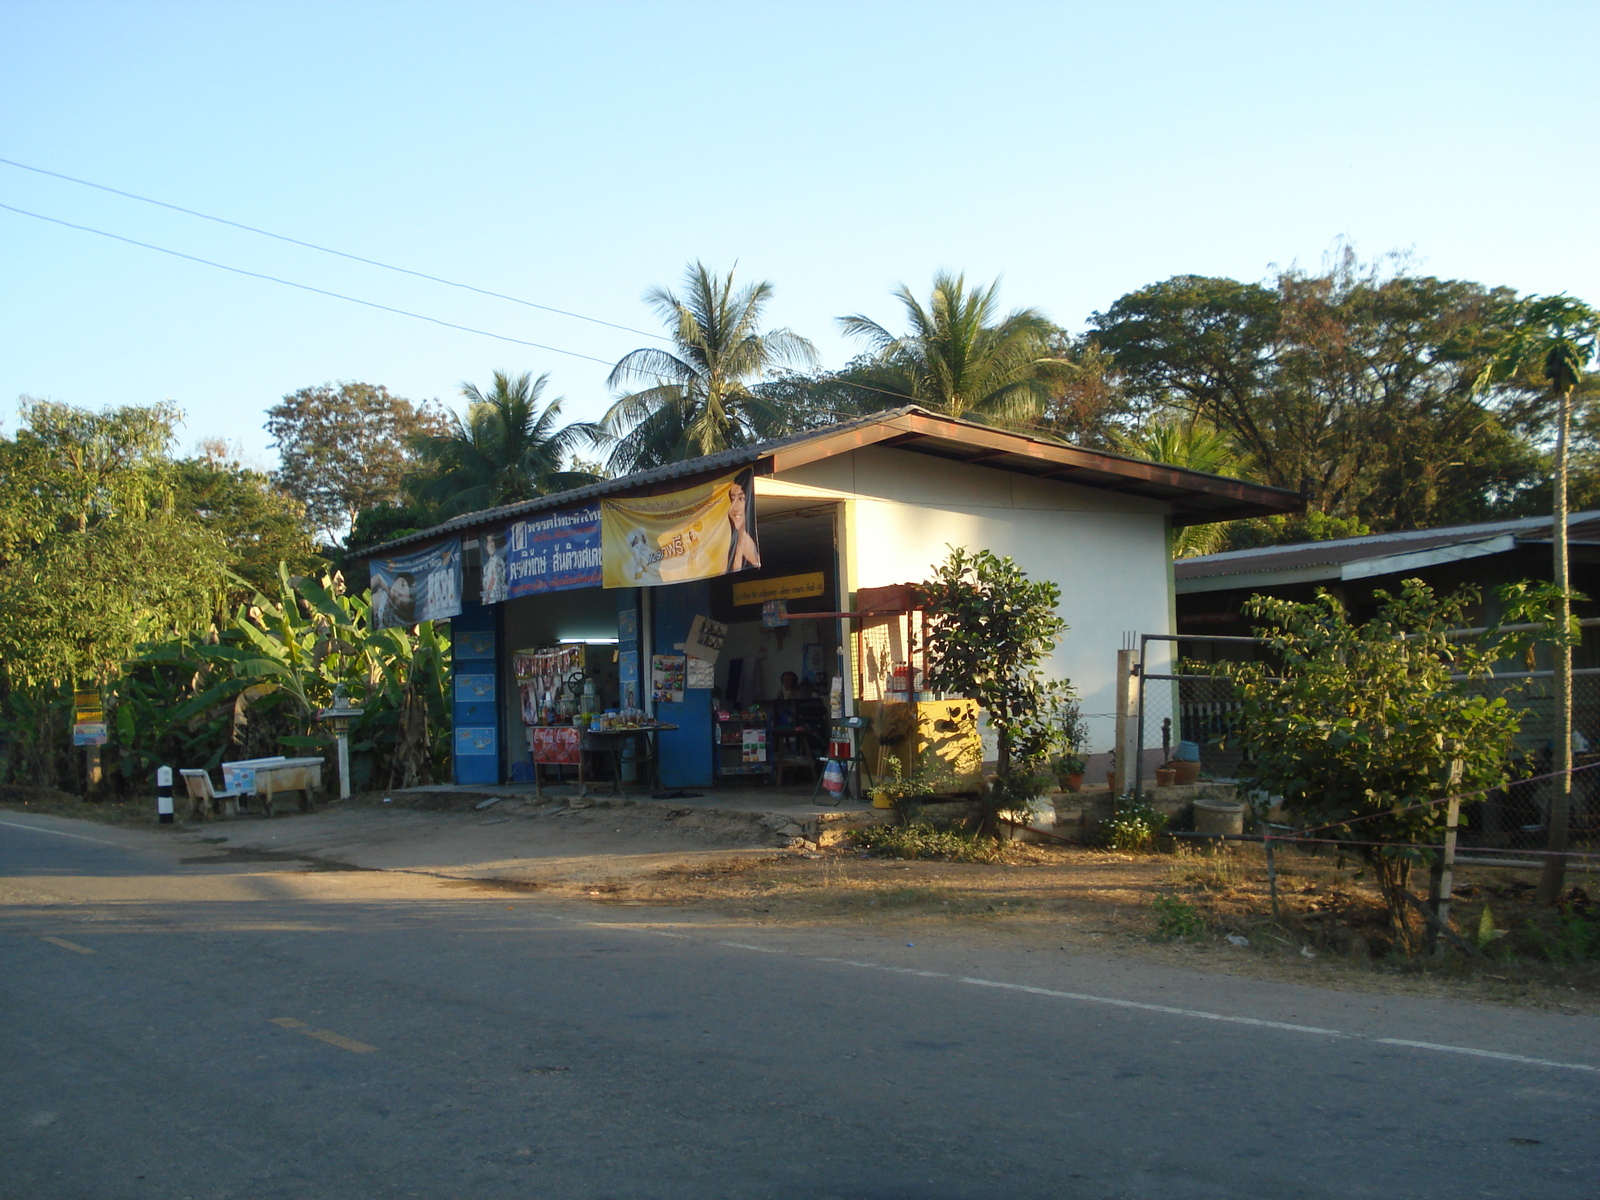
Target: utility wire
<point>305,287</point>
<point>371,262</point>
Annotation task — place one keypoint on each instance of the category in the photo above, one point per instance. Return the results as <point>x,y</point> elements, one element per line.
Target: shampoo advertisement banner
<point>423,585</point>
<point>553,552</point>
<point>698,533</point>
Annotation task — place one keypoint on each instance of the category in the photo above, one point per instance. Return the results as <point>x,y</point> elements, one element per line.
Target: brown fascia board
<point>1197,498</point>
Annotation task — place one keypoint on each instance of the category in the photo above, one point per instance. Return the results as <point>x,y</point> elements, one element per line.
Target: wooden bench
<point>204,801</point>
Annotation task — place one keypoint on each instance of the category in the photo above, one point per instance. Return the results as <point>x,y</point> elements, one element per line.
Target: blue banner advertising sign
<point>422,585</point>
<point>554,552</point>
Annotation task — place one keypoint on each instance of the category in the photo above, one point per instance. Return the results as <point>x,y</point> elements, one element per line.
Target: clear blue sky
<point>576,154</point>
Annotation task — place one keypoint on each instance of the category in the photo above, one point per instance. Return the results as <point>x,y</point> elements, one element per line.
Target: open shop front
<point>582,650</point>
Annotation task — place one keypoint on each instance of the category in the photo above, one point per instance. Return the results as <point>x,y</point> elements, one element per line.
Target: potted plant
<point>1068,770</point>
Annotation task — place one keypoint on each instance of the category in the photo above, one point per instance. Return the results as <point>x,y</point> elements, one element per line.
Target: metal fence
<point>1180,698</point>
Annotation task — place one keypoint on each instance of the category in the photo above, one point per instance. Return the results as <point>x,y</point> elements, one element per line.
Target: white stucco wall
<point>1107,553</point>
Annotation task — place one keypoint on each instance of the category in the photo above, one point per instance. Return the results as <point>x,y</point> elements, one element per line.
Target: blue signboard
<point>554,552</point>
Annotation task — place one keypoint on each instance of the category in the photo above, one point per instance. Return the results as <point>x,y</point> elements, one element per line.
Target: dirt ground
<point>1331,929</point>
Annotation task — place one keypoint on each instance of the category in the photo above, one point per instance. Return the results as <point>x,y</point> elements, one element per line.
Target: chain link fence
<point>1186,701</point>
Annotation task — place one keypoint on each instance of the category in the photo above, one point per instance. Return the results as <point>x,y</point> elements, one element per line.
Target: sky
<point>575,155</point>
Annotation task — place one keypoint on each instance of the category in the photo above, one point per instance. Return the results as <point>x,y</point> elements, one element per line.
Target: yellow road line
<point>344,1043</point>
<point>325,1035</point>
<point>66,945</point>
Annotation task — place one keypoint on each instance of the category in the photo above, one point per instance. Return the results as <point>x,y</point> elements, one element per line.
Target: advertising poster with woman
<point>698,533</point>
<point>424,585</point>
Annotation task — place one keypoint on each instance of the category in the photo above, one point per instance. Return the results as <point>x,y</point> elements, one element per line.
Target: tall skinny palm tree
<point>959,355</point>
<point>704,394</point>
<point>507,449</point>
<point>1558,336</point>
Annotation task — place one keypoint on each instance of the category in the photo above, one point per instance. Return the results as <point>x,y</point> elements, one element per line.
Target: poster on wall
<point>492,554</point>
<point>705,639</point>
<point>701,673</point>
<point>554,552</point>
<point>423,585</point>
<point>698,533</point>
<point>667,677</point>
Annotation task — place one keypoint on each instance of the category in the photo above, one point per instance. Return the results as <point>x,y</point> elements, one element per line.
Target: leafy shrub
<point>1176,918</point>
<point>1575,938</point>
<point>1136,828</point>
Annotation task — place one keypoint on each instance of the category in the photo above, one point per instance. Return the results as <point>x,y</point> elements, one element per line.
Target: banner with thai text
<point>698,533</point>
<point>420,585</point>
<point>553,552</point>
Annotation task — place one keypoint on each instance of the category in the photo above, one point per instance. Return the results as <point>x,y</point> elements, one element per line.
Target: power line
<point>305,287</point>
<point>371,262</point>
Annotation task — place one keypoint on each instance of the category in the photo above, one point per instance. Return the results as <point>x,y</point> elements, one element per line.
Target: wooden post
<point>1442,876</point>
<point>1272,868</point>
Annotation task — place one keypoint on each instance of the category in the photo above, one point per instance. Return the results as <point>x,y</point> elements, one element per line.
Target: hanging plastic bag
<point>833,777</point>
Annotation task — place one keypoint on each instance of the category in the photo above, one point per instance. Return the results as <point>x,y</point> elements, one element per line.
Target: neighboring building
<point>865,504</point>
<point>1212,589</point>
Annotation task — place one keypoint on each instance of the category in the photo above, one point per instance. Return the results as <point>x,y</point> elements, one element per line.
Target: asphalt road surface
<point>174,1028</point>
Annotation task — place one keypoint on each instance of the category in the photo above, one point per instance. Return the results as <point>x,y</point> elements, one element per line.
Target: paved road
<point>216,1029</point>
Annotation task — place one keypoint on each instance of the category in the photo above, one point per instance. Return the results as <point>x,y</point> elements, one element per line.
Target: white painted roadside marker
<point>164,795</point>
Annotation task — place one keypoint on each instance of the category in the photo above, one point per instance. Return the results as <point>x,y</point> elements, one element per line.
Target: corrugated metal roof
<point>1193,495</point>
<point>1580,526</point>
<point>738,456</point>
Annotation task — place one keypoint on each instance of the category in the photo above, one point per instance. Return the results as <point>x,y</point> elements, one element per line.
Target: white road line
<point>57,833</point>
<point>1160,1008</point>
<point>1167,1009</point>
<point>1537,1062</point>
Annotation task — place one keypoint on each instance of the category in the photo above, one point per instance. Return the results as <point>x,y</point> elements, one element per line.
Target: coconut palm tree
<point>959,355</point>
<point>704,393</point>
<point>1557,337</point>
<point>507,449</point>
<point>1195,443</point>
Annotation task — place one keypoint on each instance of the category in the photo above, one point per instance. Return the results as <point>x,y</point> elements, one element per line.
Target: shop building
<point>715,595</point>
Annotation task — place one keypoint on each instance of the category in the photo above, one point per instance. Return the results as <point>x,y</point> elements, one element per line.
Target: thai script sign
<point>553,552</point>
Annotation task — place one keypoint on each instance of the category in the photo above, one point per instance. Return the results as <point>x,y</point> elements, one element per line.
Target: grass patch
<point>119,811</point>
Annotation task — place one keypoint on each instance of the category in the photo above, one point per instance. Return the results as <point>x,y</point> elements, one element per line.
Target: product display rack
<point>743,746</point>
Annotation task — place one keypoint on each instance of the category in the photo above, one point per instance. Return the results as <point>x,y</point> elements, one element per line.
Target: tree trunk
<point>1555,866</point>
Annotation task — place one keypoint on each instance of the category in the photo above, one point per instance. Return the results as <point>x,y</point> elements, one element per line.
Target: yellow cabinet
<point>936,741</point>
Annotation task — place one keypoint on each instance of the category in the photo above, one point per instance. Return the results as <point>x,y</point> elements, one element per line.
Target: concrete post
<point>164,795</point>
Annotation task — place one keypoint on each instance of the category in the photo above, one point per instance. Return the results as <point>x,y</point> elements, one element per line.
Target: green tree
<point>346,447</point>
<point>991,627</point>
<point>1362,728</point>
<point>259,525</point>
<point>1351,384</point>
<point>507,449</point>
<point>96,556</point>
<point>1556,337</point>
<point>959,355</point>
<point>702,395</point>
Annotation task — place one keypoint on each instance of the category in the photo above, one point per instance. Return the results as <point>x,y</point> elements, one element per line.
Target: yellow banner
<point>698,533</point>
<point>786,587</point>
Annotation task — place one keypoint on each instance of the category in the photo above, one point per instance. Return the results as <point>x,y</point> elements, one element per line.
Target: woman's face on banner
<point>736,505</point>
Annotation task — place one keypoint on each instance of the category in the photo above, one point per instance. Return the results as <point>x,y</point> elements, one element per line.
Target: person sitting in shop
<point>790,687</point>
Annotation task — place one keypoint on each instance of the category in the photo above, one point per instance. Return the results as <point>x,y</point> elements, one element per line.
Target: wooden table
<point>569,746</point>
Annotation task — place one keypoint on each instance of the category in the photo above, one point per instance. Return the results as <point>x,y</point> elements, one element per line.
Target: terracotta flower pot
<point>1165,776</point>
<point>1074,782</point>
